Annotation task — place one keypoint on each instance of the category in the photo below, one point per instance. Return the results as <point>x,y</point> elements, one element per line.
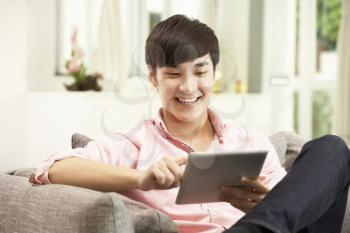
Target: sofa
<point>25,207</point>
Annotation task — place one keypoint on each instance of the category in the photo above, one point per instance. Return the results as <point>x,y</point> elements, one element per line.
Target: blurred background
<point>284,66</point>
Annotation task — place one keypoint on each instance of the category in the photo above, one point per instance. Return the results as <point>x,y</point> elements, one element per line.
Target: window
<point>328,21</point>
<point>316,67</point>
<point>80,15</point>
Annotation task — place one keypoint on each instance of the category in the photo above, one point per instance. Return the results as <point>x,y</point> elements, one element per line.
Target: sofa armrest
<point>59,208</point>
<point>136,216</point>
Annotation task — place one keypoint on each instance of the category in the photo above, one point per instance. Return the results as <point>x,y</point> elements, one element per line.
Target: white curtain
<point>111,55</point>
<point>342,108</point>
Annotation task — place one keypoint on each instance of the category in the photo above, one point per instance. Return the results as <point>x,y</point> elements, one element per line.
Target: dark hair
<point>179,39</point>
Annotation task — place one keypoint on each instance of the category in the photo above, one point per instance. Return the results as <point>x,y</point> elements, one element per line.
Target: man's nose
<point>188,84</point>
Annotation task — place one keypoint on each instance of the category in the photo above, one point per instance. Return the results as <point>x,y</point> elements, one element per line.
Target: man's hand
<point>164,174</point>
<point>247,197</point>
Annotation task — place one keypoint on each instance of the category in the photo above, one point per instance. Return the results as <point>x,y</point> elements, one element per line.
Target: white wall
<point>41,34</point>
<point>13,63</point>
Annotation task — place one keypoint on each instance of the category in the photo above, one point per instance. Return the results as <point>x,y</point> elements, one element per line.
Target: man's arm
<point>85,173</point>
<point>93,175</point>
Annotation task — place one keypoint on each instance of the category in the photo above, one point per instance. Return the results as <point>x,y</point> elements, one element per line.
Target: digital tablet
<point>206,173</point>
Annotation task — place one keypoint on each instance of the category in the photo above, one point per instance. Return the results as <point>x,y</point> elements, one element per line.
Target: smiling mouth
<point>188,100</point>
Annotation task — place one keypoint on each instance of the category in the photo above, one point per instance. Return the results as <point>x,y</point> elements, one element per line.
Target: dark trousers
<point>312,197</point>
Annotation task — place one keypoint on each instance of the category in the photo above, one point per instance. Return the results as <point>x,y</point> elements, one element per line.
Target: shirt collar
<point>216,121</point>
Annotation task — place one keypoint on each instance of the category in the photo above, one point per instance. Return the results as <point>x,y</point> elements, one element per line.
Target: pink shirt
<point>148,142</point>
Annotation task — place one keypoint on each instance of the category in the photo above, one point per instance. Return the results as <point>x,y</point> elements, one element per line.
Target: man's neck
<point>188,131</point>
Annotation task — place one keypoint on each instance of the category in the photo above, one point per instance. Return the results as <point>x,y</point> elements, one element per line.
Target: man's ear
<point>152,76</point>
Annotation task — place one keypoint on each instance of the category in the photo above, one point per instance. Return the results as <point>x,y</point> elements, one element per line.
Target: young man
<point>146,163</point>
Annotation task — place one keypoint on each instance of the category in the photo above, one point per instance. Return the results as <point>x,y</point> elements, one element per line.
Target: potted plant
<point>77,69</point>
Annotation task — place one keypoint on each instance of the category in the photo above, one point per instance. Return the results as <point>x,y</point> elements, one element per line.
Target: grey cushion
<point>59,208</point>
<point>288,146</point>
<point>24,172</point>
<point>80,140</point>
<point>146,219</point>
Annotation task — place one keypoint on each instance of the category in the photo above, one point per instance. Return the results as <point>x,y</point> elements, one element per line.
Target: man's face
<point>185,89</point>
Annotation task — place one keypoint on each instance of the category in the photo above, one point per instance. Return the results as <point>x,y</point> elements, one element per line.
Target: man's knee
<point>329,142</point>
<point>335,143</point>
<point>333,139</point>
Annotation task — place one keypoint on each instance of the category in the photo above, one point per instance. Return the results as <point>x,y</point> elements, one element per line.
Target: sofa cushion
<point>24,172</point>
<point>58,208</point>
<point>288,146</point>
<point>79,140</point>
<point>146,219</point>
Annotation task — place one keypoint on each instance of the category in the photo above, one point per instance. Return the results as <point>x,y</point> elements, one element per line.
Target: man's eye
<point>200,73</point>
<point>173,74</point>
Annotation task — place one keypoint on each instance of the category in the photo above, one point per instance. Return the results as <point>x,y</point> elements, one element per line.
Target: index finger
<point>254,184</point>
<point>181,160</point>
